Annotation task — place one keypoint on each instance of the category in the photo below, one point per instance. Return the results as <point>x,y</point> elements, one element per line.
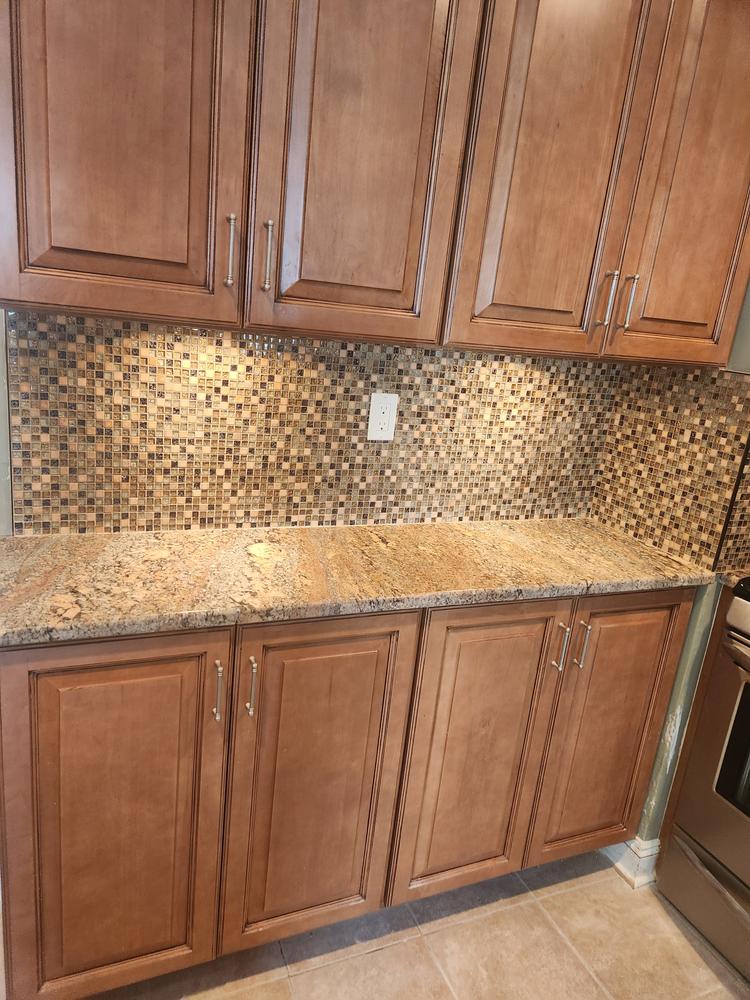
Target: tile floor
<point>572,930</point>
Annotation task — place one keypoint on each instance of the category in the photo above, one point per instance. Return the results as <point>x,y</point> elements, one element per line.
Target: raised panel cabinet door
<point>113,756</point>
<point>687,257</point>
<point>616,685</point>
<point>485,676</point>
<point>128,155</point>
<point>361,124</point>
<point>542,220</point>
<point>318,738</point>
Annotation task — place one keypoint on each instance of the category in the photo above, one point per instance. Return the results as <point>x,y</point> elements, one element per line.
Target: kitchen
<point>377,429</point>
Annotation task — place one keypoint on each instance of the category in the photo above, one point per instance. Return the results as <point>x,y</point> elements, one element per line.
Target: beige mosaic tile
<point>672,455</point>
<point>121,425</point>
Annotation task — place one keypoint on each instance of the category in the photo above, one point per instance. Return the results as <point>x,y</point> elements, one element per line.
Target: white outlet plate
<point>383,411</point>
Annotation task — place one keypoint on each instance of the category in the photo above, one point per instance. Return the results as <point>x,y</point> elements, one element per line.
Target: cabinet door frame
<point>679,602</point>
<point>346,320</point>
<point>20,832</point>
<point>403,885</point>
<point>403,629</point>
<point>27,286</point>
<point>462,327</point>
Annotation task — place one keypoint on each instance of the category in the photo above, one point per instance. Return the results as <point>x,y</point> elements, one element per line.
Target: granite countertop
<point>60,587</point>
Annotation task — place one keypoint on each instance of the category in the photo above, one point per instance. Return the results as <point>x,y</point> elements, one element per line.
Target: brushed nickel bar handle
<point>219,681</point>
<point>268,224</point>
<point>250,705</point>
<point>580,664</point>
<point>635,278</point>
<point>564,650</point>
<point>232,220</point>
<point>615,277</point>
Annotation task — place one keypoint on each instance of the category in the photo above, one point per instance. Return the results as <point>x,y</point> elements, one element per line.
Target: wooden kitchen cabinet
<point>524,746</point>
<point>613,697</point>
<point>486,677</point>
<point>541,230</point>
<point>608,184</point>
<point>127,156</point>
<point>112,766</point>
<point>319,724</point>
<point>686,260</point>
<point>360,134</point>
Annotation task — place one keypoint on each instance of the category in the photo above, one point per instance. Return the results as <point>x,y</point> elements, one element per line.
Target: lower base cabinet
<point>172,798</point>
<point>113,760</point>
<point>534,733</point>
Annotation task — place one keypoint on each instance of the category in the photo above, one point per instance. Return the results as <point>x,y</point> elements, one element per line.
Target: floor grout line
<point>576,952</point>
<point>439,967</point>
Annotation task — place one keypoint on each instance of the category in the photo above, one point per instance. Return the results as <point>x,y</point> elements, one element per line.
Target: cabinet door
<point>541,231</point>
<point>614,694</point>
<point>129,154</point>
<point>687,256</point>
<point>486,674</point>
<point>362,117</point>
<point>318,739</point>
<point>112,782</point>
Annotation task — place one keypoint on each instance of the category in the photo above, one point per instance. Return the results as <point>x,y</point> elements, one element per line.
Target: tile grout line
<point>577,954</point>
<point>436,962</point>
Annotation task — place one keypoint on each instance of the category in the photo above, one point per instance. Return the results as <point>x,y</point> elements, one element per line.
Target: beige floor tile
<point>467,903</point>
<point>569,873</point>
<point>636,945</point>
<point>351,937</point>
<point>280,989</point>
<point>404,971</point>
<point>732,991</point>
<point>224,979</point>
<point>514,954</point>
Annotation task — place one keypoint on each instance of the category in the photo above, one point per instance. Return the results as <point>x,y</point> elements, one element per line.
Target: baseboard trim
<point>635,860</point>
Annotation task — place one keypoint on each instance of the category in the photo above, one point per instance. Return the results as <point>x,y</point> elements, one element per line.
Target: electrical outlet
<point>383,411</point>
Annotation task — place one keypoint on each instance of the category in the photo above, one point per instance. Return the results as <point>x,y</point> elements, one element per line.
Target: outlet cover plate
<point>383,411</point>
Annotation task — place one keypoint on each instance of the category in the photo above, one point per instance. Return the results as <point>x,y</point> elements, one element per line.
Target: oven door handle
<point>731,901</point>
<point>740,654</point>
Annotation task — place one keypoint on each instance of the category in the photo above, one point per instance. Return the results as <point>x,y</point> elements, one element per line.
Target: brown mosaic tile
<point>735,552</point>
<point>672,455</point>
<point>123,425</point>
<point>120,425</point>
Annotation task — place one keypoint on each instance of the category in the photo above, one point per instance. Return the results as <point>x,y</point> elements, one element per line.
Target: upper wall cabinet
<point>541,234</point>
<point>607,196</point>
<point>687,256</point>
<point>361,125</point>
<point>127,190</point>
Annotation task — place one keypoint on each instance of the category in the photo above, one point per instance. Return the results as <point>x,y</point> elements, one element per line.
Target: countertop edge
<point>197,619</point>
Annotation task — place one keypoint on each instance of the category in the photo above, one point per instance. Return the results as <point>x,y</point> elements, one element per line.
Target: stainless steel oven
<point>705,871</point>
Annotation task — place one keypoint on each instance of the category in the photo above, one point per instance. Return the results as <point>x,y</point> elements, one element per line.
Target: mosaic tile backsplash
<point>671,456</point>
<point>121,425</point>
<point>735,552</point>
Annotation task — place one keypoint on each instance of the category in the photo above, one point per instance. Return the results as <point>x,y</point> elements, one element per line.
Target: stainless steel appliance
<point>705,870</point>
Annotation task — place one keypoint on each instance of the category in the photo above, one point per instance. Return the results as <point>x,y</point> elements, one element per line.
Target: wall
<point>119,425</point>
